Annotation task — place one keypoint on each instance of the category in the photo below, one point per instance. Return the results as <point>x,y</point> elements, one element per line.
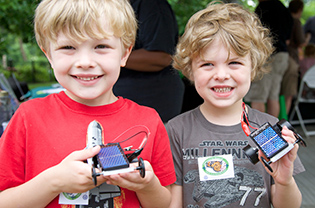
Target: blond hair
<point>79,19</point>
<point>240,31</point>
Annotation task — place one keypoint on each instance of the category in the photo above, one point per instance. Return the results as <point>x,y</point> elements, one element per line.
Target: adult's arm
<point>148,61</point>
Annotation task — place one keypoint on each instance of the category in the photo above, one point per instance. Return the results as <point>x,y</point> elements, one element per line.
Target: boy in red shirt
<point>42,150</point>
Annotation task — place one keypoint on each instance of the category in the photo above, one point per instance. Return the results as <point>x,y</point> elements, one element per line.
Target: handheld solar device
<point>112,158</point>
<point>269,140</point>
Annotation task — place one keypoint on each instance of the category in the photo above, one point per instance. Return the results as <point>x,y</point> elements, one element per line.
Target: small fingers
<point>83,155</point>
<point>288,135</point>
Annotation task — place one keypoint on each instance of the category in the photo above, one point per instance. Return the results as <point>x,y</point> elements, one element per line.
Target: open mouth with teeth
<point>87,78</point>
<point>222,90</point>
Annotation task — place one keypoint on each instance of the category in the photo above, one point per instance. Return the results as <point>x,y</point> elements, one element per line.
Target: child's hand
<point>283,168</point>
<point>73,175</point>
<point>132,180</point>
<point>148,189</point>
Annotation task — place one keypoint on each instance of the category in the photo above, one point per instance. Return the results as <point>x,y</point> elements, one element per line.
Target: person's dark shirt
<point>157,31</point>
<point>152,34</point>
<point>275,16</point>
<point>309,27</point>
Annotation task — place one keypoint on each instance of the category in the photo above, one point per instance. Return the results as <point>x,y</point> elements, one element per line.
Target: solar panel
<point>268,140</point>
<point>112,157</point>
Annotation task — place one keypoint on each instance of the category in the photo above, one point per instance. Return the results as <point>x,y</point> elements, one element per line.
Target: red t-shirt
<point>44,131</point>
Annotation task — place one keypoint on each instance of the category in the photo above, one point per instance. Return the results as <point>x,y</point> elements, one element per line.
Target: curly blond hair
<point>79,19</point>
<point>239,29</point>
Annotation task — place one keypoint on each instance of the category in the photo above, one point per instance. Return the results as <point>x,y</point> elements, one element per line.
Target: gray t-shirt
<point>192,136</point>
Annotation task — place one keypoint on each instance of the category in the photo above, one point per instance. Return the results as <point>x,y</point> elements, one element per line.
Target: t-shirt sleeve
<point>162,162</point>
<point>12,152</point>
<point>298,166</point>
<point>158,32</point>
<point>176,152</point>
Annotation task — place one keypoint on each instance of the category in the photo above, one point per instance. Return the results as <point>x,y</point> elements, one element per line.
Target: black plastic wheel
<point>251,153</point>
<point>94,176</point>
<point>141,167</point>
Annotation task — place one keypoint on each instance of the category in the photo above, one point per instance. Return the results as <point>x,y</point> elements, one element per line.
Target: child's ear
<point>44,51</point>
<point>125,56</point>
<point>46,54</point>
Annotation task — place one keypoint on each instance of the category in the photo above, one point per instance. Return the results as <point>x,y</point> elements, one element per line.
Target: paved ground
<point>306,180</point>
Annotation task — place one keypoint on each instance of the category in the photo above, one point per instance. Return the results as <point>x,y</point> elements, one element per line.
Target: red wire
<point>244,114</point>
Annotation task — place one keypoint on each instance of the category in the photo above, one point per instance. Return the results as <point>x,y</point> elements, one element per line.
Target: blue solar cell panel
<point>269,140</point>
<point>112,157</point>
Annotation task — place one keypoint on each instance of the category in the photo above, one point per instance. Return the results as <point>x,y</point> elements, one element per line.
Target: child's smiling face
<point>221,80</point>
<point>89,69</point>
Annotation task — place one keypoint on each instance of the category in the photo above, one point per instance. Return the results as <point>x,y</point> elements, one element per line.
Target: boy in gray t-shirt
<point>223,49</point>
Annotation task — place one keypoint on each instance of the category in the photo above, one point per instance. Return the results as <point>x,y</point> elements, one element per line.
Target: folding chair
<point>5,85</point>
<point>307,80</point>
<point>20,88</point>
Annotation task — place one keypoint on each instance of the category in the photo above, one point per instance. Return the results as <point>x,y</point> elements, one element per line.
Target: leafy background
<point>18,48</point>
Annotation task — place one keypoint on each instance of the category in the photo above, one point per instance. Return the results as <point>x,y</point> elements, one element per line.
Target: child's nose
<point>85,60</point>
<point>222,74</point>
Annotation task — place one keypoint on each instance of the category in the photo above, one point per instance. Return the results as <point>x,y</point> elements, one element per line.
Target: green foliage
<point>16,16</point>
<point>32,71</point>
<point>16,23</point>
<point>309,10</point>
<point>184,9</point>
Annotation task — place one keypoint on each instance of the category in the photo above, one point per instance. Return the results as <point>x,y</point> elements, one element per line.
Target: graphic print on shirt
<point>223,192</point>
<point>219,193</point>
